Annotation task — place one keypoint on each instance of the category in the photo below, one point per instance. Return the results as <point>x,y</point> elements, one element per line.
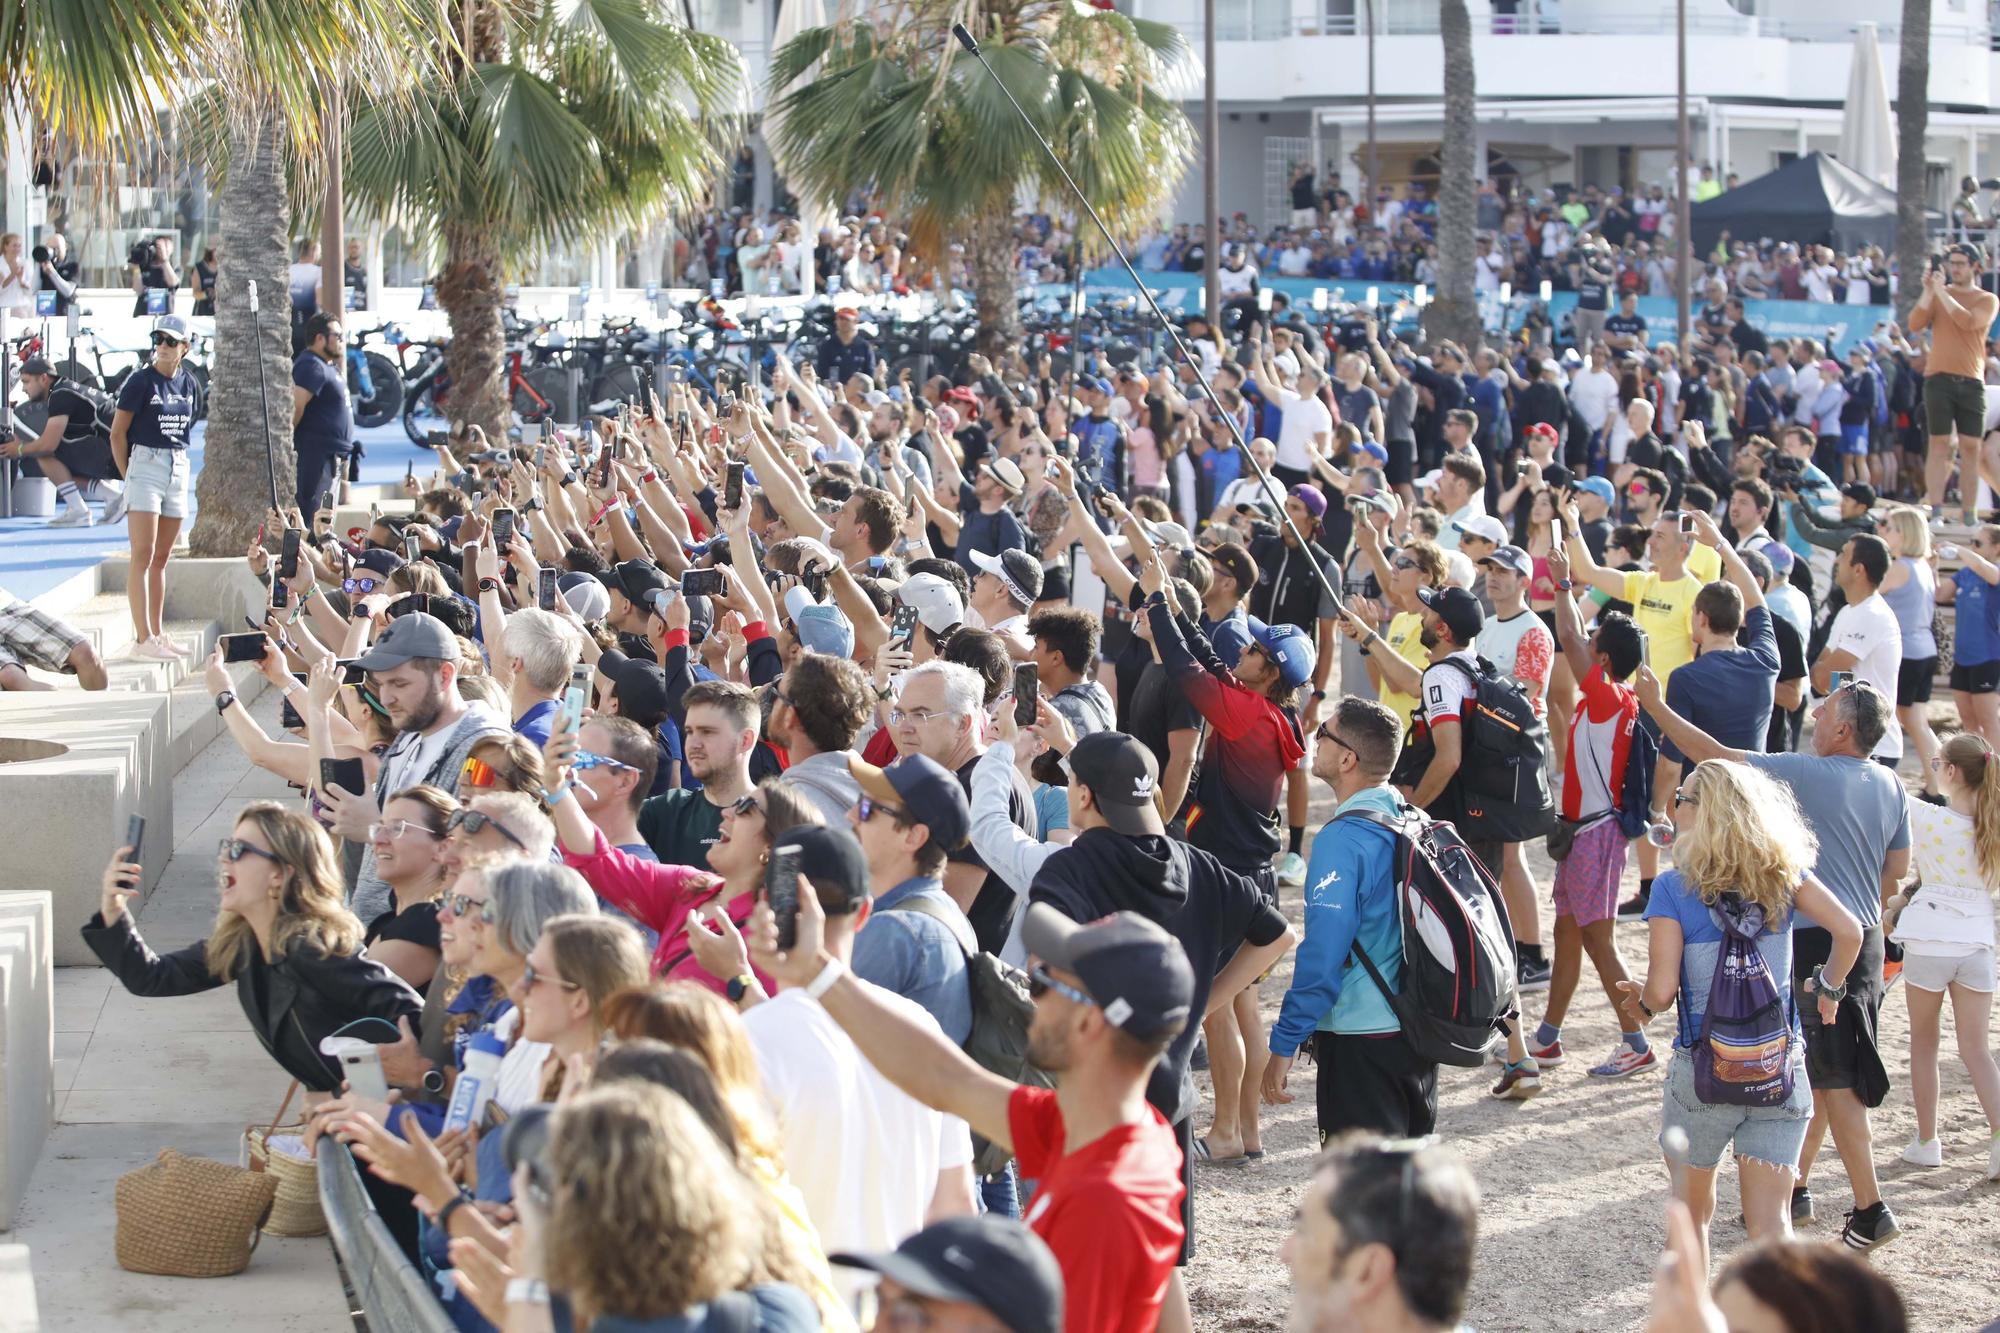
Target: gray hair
<point>1868,711</point>
<point>546,645</point>
<point>524,817</point>
<point>527,894</point>
<point>484,690</point>
<point>964,691</point>
<point>1759,566</point>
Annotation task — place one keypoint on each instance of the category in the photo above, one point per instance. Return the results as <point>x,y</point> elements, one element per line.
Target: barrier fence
<point>390,1290</point>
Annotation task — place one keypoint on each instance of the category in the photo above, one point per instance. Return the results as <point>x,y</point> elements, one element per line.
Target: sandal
<point>1202,1153</point>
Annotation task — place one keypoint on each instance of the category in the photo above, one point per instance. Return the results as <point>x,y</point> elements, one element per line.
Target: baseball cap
<point>1542,430</point>
<point>1123,775</point>
<point>1860,492</point>
<point>1136,972</point>
<point>637,579</point>
<point>939,607</point>
<point>1021,572</point>
<point>1373,450</point>
<point>1458,609</point>
<point>585,595</point>
<point>987,1260</point>
<point>378,561</point>
<point>833,860</point>
<point>639,686</point>
<point>1429,481</point>
<point>1171,535</point>
<point>875,398</point>
<point>1095,383</point>
<point>1288,648</point>
<point>1485,526</point>
<point>175,327</point>
<point>1236,562</point>
<point>825,630</point>
<point>408,637</point>
<point>37,365</point>
<point>1311,497</point>
<point>1007,472</point>
<point>1599,487</point>
<point>923,787</point>
<point>1510,557</point>
<point>1779,554</point>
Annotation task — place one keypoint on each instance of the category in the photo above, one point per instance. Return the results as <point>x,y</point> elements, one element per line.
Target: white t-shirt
<point>1301,418</point>
<point>864,1154</point>
<point>1446,688</point>
<point>1868,629</point>
<point>1594,393</point>
<point>1521,648</point>
<point>1486,271</point>
<point>520,1080</point>
<point>1231,283</point>
<point>1952,914</point>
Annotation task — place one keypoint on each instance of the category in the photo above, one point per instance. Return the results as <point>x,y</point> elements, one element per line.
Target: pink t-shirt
<point>1144,452</point>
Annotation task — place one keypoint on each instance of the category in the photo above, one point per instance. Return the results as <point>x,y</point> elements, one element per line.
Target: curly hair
<point>1747,836</point>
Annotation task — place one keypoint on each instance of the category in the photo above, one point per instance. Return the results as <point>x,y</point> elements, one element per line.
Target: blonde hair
<point>312,903</point>
<point>648,1215</point>
<point>602,955</point>
<point>1747,836</point>
<point>1977,766</point>
<point>1912,533</point>
<point>684,1014</point>
<point>1429,559</point>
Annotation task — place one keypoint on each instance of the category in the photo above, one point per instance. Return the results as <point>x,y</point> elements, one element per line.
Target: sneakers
<point>1533,976</point>
<point>175,647</point>
<point>1633,908</point>
<point>1624,1062</point>
<point>1924,1152</point>
<point>1518,1082</point>
<point>1292,869</point>
<point>1549,1056</point>
<point>1870,1228</point>
<point>155,650</point>
<point>114,508</point>
<point>1802,1205</point>
<point>73,518</point>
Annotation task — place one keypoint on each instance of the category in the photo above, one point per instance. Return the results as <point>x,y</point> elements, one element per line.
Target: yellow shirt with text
<point>1664,611</point>
<point>1406,631</point>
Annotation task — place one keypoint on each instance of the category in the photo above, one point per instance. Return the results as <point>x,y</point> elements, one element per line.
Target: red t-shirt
<point>1111,1211</point>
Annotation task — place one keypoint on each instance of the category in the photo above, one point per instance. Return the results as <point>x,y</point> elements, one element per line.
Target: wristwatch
<point>223,701</point>
<point>433,1080</point>
<point>737,987</point>
<point>1565,585</point>
<point>1319,696</point>
<point>489,584</point>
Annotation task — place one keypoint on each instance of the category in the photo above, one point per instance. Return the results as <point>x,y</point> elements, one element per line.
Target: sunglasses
<point>1683,797</point>
<point>389,830</point>
<point>589,759</point>
<point>1327,733</point>
<point>166,340</point>
<point>477,773</point>
<point>473,823</point>
<point>360,586</point>
<point>868,807</point>
<point>1402,562</point>
<point>462,905</point>
<point>529,977</point>
<point>747,805</point>
<point>233,850</point>
<point>1040,983</point>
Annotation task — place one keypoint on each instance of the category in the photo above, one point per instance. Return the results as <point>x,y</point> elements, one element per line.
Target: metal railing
<point>390,1290</point>
<point>1259,23</point>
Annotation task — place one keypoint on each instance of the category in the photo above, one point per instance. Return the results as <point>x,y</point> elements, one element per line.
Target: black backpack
<point>1501,790</point>
<point>103,407</point>
<point>1458,986</point>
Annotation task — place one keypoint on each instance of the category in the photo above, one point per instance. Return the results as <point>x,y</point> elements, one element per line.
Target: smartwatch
<point>223,701</point>
<point>738,987</point>
<point>489,585</point>
<point>433,1080</point>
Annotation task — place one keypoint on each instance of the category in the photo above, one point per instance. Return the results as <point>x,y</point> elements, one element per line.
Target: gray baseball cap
<point>175,327</point>
<point>409,637</point>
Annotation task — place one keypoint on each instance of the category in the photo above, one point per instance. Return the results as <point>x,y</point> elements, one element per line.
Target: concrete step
<point>106,619</point>
<point>193,721</point>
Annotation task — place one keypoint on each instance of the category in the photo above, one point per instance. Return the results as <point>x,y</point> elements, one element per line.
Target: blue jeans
<point>1000,1193</point>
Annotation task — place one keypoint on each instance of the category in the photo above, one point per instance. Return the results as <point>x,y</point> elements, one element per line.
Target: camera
<point>41,254</point>
<point>1782,472</point>
<point>144,251</point>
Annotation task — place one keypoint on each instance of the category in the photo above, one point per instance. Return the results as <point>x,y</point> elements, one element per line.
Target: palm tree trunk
<point>234,488</point>
<point>1455,313</point>
<point>469,292</point>
<point>990,246</point>
<point>1913,117</point>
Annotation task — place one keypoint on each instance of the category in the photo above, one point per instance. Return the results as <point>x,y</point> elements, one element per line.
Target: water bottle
<point>1660,833</point>
<point>1948,551</point>
<point>476,1081</point>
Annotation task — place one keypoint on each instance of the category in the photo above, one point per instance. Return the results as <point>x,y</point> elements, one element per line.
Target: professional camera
<point>143,253</point>
<point>41,254</point>
<point>1782,472</point>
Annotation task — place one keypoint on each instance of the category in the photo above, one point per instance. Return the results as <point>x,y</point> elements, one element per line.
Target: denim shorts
<point>1772,1134</point>
<point>156,481</point>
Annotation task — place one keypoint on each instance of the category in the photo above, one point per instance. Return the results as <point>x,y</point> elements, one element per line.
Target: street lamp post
<point>1683,241</point>
<point>1211,128</point>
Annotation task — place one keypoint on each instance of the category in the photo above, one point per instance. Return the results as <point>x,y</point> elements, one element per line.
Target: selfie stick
<point>263,397</point>
<point>965,39</point>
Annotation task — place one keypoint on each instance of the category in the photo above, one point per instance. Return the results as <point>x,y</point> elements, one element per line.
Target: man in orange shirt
<point>1958,313</point>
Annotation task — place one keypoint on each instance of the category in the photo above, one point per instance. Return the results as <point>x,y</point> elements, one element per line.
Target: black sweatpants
<point>1376,1083</point>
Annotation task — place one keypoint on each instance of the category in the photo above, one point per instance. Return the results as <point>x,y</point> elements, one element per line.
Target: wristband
<point>552,799</point>
<point>823,983</point>
<point>527,1291</point>
<point>456,1202</point>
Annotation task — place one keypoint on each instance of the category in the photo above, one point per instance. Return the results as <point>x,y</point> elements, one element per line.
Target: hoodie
<point>1208,907</point>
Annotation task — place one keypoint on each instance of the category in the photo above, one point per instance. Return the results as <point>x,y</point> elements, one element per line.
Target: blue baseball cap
<point>1600,488</point>
<point>1289,649</point>
<point>925,789</point>
<point>824,629</point>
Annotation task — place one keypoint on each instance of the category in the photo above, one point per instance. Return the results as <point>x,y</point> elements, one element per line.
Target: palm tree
<point>1913,118</point>
<point>557,123</point>
<point>1455,313</point>
<point>893,102</point>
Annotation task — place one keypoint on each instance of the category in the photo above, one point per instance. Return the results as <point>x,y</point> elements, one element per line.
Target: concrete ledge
<point>27,1044</point>
<point>18,1312</point>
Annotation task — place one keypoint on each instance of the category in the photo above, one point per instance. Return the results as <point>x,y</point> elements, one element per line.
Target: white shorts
<point>1936,972</point>
<point>156,482</point>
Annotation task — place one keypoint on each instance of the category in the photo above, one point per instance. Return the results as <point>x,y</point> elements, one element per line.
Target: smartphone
<point>542,455</point>
<point>781,890</point>
<point>345,774</point>
<point>545,588</point>
<point>1027,693</point>
<point>732,486</point>
<point>604,467</point>
<point>413,549</point>
<point>326,502</point>
<point>726,404</point>
<point>288,716</point>
<point>503,529</point>
<point>577,698</point>
<point>352,674</point>
<point>1645,649</point>
<point>411,604</point>
<point>1556,531</point>
<point>243,647</point>
<point>288,559</point>
<point>135,836</point>
<point>701,583</point>
<point>677,374</point>
<point>645,403</point>
<point>1687,525</point>
<point>361,1066</point>
<point>281,594</point>
<point>903,626</point>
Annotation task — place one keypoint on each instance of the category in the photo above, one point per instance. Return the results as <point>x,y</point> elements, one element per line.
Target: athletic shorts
<point>1954,401</point>
<point>88,457</point>
<point>1587,880</point>
<point>1935,972</point>
<point>1401,469</point>
<point>1844,1055</point>
<point>1854,439</point>
<point>1376,1083</point>
<point>156,482</point>
<point>32,637</point>
<point>1976,677</point>
<point>1914,679</point>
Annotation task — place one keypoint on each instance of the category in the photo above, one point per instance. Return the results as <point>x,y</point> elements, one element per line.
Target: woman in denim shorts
<point>149,440</point>
<point>1736,831</point>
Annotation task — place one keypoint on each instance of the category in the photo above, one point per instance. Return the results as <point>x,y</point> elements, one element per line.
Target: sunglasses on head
<point>233,850</point>
<point>473,823</point>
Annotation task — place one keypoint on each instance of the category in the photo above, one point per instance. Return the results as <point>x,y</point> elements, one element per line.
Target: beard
<point>1428,637</point>
<point>1048,1051</point>
<point>424,714</point>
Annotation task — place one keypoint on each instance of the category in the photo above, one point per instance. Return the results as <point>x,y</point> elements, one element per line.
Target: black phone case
<point>346,774</point>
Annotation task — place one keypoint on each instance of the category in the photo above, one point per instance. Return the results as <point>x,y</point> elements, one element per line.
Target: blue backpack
<point>1742,1056</point>
<point>1635,793</point>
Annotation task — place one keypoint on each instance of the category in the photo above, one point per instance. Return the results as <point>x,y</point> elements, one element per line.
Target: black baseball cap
<point>1136,972</point>
<point>637,579</point>
<point>1860,492</point>
<point>639,686</point>
<point>989,1261</point>
<point>1123,775</point>
<point>1458,609</point>
<point>37,365</point>
<point>833,860</point>
<point>928,790</point>
<point>378,561</point>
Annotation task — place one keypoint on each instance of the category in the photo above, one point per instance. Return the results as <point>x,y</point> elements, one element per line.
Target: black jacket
<point>1202,903</point>
<point>292,1003</point>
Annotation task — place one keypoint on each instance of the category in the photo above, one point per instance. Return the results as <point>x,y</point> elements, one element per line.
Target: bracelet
<point>823,983</point>
<point>552,799</point>
<point>1565,585</point>
<point>456,1202</point>
<point>527,1291</point>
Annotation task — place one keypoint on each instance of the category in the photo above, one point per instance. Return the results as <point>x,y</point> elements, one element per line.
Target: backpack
<point>103,407</point>
<point>1742,1056</point>
<point>1635,793</point>
<point>1458,946</point>
<point>1001,1012</point>
<point>1501,790</point>
<point>1880,410</point>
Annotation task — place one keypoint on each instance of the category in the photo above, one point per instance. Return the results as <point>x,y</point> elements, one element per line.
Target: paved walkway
<point>134,1076</point>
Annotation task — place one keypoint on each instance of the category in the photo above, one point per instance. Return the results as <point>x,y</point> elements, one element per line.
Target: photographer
<point>56,271</point>
<point>152,265</point>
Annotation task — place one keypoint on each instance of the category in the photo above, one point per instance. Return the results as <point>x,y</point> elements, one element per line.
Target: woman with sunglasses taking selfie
<point>149,441</point>
<point>281,934</point>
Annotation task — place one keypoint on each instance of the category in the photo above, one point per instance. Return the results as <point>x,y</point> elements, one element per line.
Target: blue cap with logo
<point>1289,649</point>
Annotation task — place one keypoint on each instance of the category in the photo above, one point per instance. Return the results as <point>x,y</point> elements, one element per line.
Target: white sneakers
<point>159,648</point>
<point>1924,1152</point>
<point>114,508</point>
<point>73,518</point>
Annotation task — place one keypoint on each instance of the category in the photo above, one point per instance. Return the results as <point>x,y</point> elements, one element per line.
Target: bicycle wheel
<point>620,382</point>
<point>423,414</point>
<point>75,371</point>
<point>380,407</point>
<point>549,385</point>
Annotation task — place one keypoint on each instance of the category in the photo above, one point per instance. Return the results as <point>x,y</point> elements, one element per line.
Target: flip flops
<point>1244,1158</point>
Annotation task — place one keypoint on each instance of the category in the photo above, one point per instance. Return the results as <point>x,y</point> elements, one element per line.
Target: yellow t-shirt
<point>1705,563</point>
<point>1406,636</point>
<point>1665,612</point>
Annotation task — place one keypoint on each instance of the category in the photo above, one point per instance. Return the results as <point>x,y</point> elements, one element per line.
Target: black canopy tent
<point>1811,200</point>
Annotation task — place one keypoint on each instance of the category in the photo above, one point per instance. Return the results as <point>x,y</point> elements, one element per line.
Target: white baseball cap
<point>939,607</point>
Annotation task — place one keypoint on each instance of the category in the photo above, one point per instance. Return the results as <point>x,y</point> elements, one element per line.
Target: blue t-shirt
<point>1701,945</point>
<point>1975,638</point>
<point>162,409</point>
<point>537,721</point>
<point>1729,694</point>
<point>328,420</point>
<point>1221,467</point>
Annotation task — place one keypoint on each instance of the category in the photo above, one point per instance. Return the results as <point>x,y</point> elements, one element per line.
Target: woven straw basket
<point>186,1216</point>
<point>296,1211</point>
